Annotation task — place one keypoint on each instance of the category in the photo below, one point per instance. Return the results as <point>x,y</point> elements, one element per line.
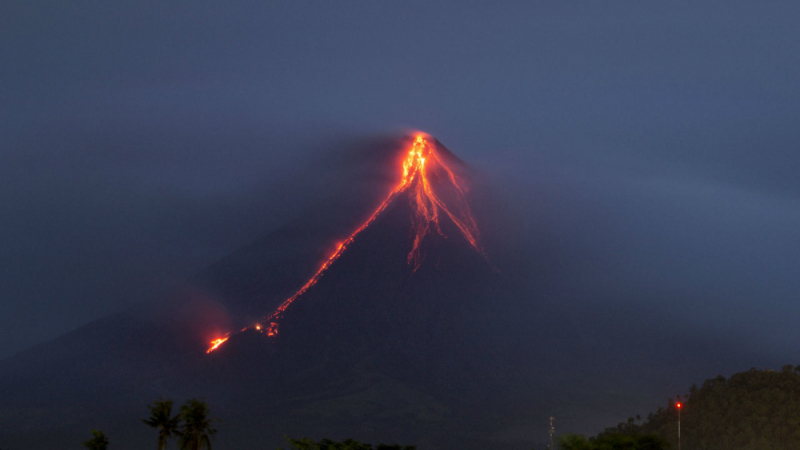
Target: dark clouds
<point>701,256</point>
<point>656,143</point>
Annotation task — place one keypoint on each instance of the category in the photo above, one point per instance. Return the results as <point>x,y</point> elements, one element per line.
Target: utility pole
<point>678,405</point>
<point>553,433</point>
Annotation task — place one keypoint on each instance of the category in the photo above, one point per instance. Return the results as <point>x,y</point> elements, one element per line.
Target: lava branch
<point>426,207</point>
<point>427,204</point>
<point>216,343</point>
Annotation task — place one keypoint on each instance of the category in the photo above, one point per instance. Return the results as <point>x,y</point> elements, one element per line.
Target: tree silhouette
<point>573,442</point>
<point>162,419</point>
<point>98,442</point>
<point>196,432</point>
<point>612,441</point>
<point>756,409</point>
<point>350,444</point>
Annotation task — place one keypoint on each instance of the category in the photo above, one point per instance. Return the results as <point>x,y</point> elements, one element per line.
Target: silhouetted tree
<point>162,419</point>
<point>756,409</point>
<point>612,441</point>
<point>573,442</point>
<point>99,441</point>
<point>629,442</point>
<point>350,444</point>
<point>196,432</point>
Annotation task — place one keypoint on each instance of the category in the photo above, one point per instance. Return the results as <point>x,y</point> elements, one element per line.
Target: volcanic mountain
<point>401,310</point>
<point>408,304</point>
<point>375,262</point>
<point>377,315</point>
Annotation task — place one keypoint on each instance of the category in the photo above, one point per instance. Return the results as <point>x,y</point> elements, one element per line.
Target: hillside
<point>753,410</point>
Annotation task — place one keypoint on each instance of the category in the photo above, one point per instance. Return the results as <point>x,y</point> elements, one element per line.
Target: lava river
<point>420,167</point>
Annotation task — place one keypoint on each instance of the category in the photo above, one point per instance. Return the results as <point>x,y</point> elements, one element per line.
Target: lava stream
<point>216,343</point>
<point>421,164</point>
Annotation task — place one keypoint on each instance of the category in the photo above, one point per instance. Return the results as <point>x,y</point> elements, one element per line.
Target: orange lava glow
<point>216,343</point>
<point>423,169</point>
<point>423,163</point>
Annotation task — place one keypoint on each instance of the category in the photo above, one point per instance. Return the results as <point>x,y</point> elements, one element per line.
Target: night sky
<point>656,143</point>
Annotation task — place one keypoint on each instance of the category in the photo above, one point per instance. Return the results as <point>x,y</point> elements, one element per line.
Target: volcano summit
<point>434,193</point>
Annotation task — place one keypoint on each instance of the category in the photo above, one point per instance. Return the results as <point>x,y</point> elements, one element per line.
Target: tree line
<point>752,410</point>
<point>193,428</point>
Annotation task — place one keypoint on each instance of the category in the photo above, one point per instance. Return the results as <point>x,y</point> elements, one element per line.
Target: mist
<point>644,156</point>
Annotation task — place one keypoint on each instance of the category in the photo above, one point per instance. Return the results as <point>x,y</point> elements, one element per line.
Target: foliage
<point>573,442</point>
<point>162,419</point>
<point>196,431</point>
<point>327,444</point>
<point>613,441</point>
<point>753,410</point>
<point>99,441</point>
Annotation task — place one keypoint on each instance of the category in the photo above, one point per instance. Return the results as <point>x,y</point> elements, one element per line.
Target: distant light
<point>678,405</point>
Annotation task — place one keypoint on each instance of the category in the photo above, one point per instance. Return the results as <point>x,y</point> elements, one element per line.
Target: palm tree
<point>161,418</point>
<point>98,442</point>
<point>196,431</point>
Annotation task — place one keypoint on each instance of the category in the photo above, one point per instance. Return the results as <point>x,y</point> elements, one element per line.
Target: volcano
<point>378,315</point>
<point>386,335</point>
<point>407,303</point>
<point>429,202</point>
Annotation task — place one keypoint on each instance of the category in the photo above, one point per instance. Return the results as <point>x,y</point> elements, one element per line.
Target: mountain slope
<point>757,409</point>
<point>407,334</point>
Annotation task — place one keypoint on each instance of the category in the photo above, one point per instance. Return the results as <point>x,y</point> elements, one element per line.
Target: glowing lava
<point>423,163</point>
<point>216,343</point>
<point>424,172</point>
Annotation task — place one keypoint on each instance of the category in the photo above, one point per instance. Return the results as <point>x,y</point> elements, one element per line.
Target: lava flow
<point>424,166</point>
<point>216,343</point>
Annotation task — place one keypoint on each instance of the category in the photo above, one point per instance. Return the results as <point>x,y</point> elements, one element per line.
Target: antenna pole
<point>552,433</point>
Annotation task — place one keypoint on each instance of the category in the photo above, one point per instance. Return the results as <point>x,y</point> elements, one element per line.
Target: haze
<point>649,152</point>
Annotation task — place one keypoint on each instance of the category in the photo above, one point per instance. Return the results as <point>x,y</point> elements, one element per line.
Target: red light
<point>678,405</point>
